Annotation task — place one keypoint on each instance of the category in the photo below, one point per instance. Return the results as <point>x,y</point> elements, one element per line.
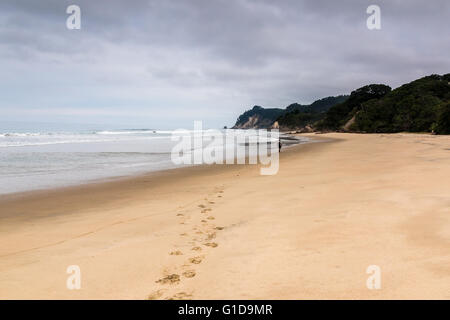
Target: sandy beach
<point>226,232</point>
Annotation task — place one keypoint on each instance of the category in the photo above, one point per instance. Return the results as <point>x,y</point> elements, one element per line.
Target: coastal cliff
<point>422,105</point>
<point>287,118</point>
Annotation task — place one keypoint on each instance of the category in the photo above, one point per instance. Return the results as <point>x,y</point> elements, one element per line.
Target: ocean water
<point>48,156</point>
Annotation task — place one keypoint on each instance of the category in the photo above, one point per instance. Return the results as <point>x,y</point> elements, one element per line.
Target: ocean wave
<point>131,131</point>
<point>43,143</point>
<point>81,133</point>
<point>105,132</point>
<point>5,144</point>
<point>20,134</point>
<point>23,139</point>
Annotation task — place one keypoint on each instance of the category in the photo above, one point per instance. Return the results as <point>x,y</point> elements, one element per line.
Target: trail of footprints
<point>201,238</point>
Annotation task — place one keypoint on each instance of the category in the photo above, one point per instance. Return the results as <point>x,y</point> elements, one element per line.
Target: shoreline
<point>226,232</point>
<point>132,183</point>
<point>115,178</point>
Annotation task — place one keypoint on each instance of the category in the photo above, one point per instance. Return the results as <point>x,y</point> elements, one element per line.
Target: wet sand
<point>226,232</point>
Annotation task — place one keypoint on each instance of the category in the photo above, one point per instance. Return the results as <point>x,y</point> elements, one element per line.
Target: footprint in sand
<point>183,234</point>
<point>201,206</point>
<point>170,279</point>
<point>155,295</point>
<point>219,228</point>
<point>189,273</point>
<point>196,249</point>
<point>180,296</point>
<point>205,210</point>
<point>211,236</point>
<point>176,253</point>
<point>211,202</point>
<point>180,215</point>
<point>204,221</point>
<point>196,260</point>
<point>211,244</point>
<point>210,218</point>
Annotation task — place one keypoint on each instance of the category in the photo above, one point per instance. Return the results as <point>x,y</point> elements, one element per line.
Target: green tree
<point>443,122</point>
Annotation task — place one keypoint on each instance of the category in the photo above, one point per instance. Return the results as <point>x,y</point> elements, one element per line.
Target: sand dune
<point>226,232</point>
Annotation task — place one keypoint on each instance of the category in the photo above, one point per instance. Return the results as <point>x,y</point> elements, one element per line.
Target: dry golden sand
<point>308,232</point>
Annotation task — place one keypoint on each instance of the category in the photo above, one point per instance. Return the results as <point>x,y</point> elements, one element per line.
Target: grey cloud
<point>233,53</point>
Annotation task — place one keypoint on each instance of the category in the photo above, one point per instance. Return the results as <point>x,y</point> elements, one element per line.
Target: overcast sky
<point>163,64</point>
